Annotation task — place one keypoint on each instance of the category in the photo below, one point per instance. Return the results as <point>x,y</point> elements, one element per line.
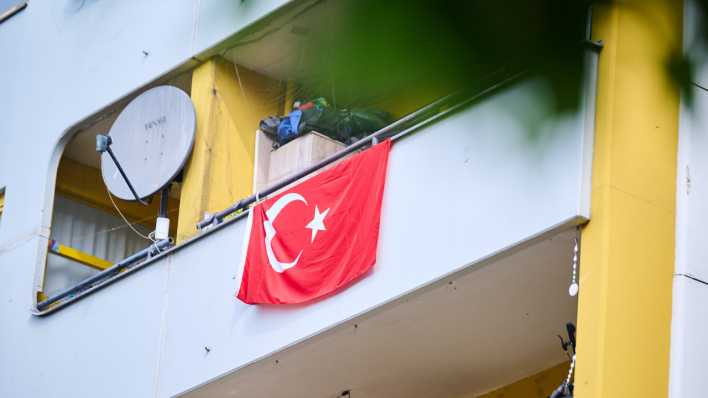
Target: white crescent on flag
<point>270,231</point>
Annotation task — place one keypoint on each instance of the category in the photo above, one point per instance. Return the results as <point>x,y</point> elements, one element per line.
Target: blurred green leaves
<point>374,49</point>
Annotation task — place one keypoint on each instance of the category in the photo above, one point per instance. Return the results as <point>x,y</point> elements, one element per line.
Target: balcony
<point>468,293</point>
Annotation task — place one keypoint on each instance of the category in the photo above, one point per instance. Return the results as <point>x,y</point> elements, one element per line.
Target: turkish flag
<point>317,236</point>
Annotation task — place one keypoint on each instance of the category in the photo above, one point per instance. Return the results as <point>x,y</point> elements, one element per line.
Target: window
<point>91,230</point>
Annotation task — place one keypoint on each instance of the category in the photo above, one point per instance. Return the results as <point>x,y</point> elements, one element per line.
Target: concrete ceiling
<point>471,333</point>
<point>278,50</point>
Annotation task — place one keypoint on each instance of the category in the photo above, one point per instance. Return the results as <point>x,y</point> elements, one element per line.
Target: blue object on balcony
<point>288,127</point>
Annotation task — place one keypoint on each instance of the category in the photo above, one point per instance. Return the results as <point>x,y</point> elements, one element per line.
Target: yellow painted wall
<point>85,184</point>
<point>539,385</point>
<point>229,104</point>
<point>627,254</point>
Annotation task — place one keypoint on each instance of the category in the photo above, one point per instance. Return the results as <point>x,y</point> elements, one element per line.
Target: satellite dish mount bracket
<point>103,144</point>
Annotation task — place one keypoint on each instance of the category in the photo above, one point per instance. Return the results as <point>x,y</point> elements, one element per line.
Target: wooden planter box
<point>272,166</point>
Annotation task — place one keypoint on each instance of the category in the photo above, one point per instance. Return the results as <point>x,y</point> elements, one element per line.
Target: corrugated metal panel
<point>92,231</point>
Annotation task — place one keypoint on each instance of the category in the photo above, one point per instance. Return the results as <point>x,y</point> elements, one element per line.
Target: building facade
<point>479,224</point>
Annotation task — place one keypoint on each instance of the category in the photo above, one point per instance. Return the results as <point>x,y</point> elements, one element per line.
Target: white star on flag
<point>317,223</point>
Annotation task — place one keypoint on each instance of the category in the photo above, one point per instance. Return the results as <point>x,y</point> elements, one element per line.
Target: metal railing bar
<point>377,135</point>
<point>217,218</point>
<point>109,272</point>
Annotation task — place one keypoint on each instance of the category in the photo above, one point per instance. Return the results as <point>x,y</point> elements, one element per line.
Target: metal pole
<point>163,201</point>
<point>125,177</point>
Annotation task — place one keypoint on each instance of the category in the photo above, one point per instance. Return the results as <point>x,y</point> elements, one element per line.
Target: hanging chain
<point>570,373</point>
<point>573,289</point>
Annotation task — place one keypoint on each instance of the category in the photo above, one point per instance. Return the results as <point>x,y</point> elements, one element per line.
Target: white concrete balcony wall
<point>458,191</point>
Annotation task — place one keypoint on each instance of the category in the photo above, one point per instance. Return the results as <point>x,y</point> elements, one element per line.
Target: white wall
<point>457,192</point>
<point>689,347</point>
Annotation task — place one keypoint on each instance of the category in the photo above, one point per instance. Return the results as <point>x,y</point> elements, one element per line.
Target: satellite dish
<point>152,137</point>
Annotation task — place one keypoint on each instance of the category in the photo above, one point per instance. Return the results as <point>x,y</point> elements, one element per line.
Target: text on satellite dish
<point>155,123</point>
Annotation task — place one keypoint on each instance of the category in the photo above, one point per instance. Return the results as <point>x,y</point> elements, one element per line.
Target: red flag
<point>318,236</point>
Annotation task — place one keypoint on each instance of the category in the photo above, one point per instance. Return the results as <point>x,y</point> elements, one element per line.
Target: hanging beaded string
<point>570,373</point>
<point>573,289</point>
